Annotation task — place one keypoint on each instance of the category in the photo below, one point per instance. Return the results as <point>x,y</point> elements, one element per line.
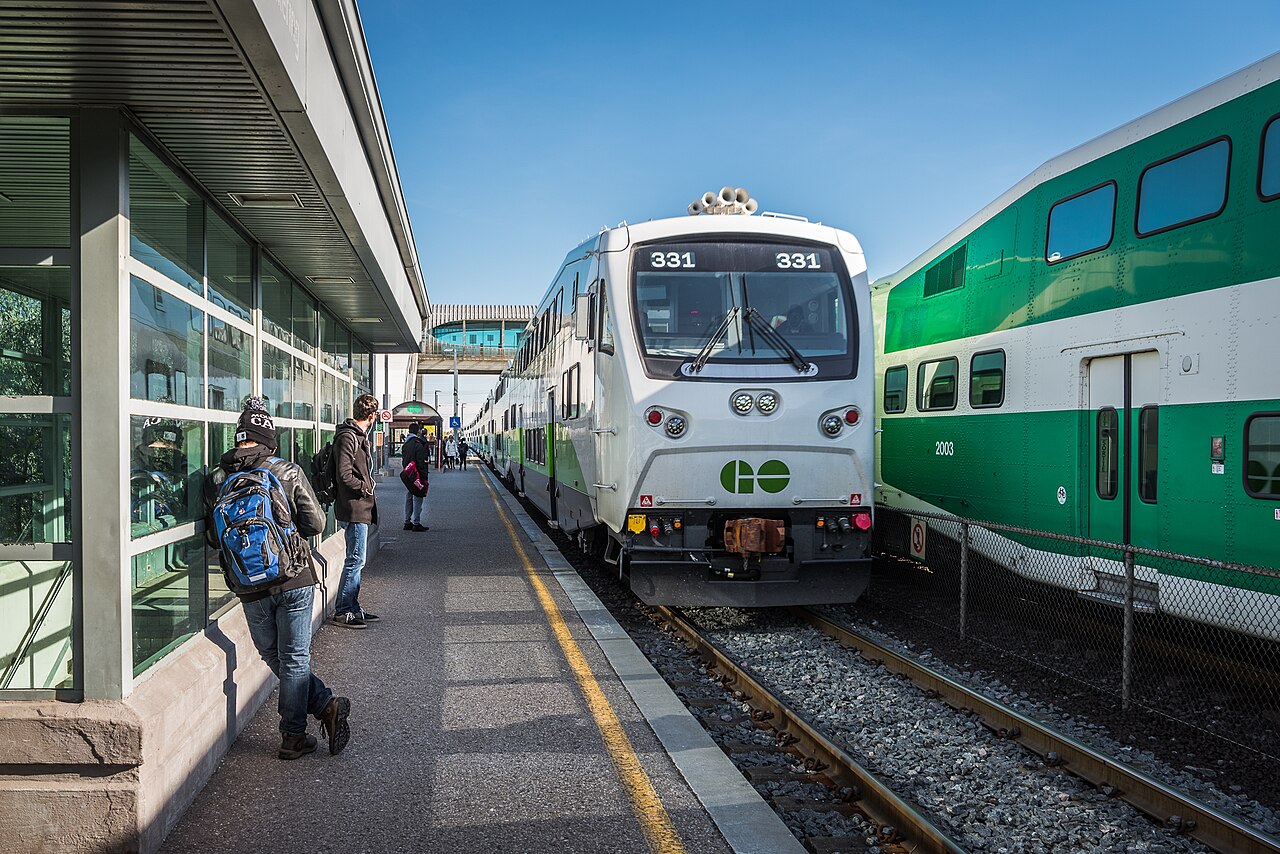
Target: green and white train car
<point>1095,352</point>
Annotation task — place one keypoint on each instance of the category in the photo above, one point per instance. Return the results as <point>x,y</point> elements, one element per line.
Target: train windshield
<point>685,291</point>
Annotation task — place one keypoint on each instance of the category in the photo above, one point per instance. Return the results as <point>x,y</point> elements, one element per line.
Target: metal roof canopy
<point>249,96</point>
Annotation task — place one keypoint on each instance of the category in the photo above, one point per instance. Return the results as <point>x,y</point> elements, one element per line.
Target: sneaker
<point>420,528</point>
<point>350,621</point>
<point>369,618</point>
<point>408,526</point>
<point>295,746</point>
<point>334,721</point>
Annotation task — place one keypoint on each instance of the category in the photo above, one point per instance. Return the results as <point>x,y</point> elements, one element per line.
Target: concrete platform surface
<point>469,730</point>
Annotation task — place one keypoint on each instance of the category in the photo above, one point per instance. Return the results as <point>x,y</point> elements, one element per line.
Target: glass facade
<point>481,333</point>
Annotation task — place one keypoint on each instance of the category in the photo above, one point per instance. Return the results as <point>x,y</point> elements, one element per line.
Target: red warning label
<point>855,499</point>
<point>646,500</point>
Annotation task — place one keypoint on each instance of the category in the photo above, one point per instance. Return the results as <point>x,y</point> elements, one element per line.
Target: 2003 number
<point>944,449</point>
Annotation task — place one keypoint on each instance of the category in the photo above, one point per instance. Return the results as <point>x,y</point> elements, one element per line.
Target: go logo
<point>740,478</point>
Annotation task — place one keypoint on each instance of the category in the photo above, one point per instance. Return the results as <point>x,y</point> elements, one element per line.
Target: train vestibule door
<point>1124,459</point>
<point>552,487</point>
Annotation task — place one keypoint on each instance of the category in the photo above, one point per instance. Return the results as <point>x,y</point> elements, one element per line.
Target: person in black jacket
<point>414,451</point>
<point>279,618</point>
<point>354,506</point>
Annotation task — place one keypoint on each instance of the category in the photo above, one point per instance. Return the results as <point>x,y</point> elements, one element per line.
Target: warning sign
<point>919,534</point>
<point>855,499</point>
<point>646,500</point>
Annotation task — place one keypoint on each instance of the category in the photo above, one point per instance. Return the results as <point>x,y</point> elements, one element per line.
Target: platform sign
<point>385,417</point>
<point>455,422</point>
<point>919,536</point>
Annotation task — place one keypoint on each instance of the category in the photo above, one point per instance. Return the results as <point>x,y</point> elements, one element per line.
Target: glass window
<point>328,398</point>
<point>1148,453</point>
<point>331,523</point>
<point>1108,451</point>
<point>304,321</point>
<point>936,384</point>
<point>230,269</point>
<point>36,593</point>
<point>336,343</point>
<point>277,302</point>
<point>277,381</point>
<point>895,389</point>
<point>168,598</point>
<point>1081,224</point>
<point>1262,455</point>
<point>230,365</point>
<point>986,379</point>
<point>222,438</point>
<point>35,330</point>
<point>35,479</point>
<point>304,389</point>
<point>1269,171</point>
<point>1184,189</point>
<point>35,182</point>
<point>362,369</point>
<point>302,448</point>
<point>166,219</point>
<point>166,347</point>
<point>166,477</point>
<point>947,274</point>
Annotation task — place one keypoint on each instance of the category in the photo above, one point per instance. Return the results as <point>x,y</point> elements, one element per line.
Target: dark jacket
<point>308,515</point>
<point>354,483</point>
<point>415,450</point>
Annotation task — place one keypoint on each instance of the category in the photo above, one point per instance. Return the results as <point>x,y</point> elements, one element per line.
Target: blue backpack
<point>255,531</point>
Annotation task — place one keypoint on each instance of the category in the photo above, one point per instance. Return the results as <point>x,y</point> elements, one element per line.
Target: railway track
<point>1167,806</point>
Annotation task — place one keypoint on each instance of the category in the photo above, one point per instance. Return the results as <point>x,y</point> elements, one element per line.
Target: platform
<point>471,730</point>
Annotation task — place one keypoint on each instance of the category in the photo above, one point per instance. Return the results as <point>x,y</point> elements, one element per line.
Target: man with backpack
<point>414,452</point>
<point>355,506</point>
<point>259,509</point>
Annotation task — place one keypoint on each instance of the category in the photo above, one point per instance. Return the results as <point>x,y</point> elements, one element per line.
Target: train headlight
<point>676,426</point>
<point>832,425</point>
<point>742,403</point>
<point>767,402</point>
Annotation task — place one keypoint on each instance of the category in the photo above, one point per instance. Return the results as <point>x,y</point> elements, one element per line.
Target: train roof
<point>620,238</point>
<point>1215,94</point>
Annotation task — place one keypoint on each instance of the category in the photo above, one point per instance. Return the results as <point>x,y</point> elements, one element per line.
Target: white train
<point>695,399</point>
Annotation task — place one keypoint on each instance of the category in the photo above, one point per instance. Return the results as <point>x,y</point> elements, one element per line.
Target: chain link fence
<point>1152,635</point>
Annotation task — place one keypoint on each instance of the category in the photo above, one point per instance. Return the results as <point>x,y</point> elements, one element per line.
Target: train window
<point>1269,165</point>
<point>1183,189</point>
<point>936,384</point>
<point>1108,451</point>
<point>895,389</point>
<point>947,274</point>
<point>1148,453</point>
<point>1262,455</point>
<point>986,379</point>
<point>606,328</point>
<point>1081,224</point>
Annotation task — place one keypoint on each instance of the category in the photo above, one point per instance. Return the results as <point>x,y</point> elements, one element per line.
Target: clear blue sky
<point>521,128</point>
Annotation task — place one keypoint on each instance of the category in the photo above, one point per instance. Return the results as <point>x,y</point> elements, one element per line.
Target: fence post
<point>964,579</point>
<point>1126,685</point>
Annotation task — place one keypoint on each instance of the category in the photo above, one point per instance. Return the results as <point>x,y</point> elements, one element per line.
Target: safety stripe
<point>655,824</point>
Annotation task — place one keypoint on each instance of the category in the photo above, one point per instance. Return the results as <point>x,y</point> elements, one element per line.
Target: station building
<point>198,202</point>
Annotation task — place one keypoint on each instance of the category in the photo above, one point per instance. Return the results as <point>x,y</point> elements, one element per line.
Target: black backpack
<point>324,474</point>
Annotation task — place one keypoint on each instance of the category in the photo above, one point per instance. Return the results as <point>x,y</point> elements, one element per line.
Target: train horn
<point>696,207</point>
<point>727,201</point>
<point>727,195</point>
<point>741,196</point>
<point>709,199</point>
<point>751,206</point>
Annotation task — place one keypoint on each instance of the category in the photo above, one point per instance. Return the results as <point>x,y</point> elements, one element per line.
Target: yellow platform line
<point>655,824</point>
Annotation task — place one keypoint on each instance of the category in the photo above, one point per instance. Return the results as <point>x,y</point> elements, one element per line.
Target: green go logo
<point>740,478</point>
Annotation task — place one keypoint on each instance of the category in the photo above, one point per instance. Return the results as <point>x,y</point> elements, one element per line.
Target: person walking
<point>279,617</point>
<point>354,506</point>
<point>451,451</point>
<point>414,450</point>
<point>463,447</point>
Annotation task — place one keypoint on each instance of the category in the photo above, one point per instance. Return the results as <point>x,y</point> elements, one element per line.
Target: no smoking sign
<point>919,538</point>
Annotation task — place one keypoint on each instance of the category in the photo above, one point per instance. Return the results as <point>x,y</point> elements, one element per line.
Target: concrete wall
<point>115,776</point>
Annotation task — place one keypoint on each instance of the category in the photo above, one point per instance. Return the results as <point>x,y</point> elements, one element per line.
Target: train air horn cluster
<point>729,201</point>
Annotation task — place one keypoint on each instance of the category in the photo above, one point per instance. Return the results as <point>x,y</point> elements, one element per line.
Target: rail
<point>1173,809</point>
<point>881,804</point>
<point>432,346</point>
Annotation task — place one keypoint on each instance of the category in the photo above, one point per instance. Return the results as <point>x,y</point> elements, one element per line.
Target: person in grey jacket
<point>354,506</point>
<point>279,618</point>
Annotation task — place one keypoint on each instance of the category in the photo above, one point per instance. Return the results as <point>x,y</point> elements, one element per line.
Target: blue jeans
<point>349,585</point>
<point>413,507</point>
<point>280,626</point>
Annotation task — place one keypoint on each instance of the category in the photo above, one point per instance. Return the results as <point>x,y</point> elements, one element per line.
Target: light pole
<point>454,352</point>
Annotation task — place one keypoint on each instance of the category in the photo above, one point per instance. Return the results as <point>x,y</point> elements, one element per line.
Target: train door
<point>551,454</point>
<point>1123,397</point>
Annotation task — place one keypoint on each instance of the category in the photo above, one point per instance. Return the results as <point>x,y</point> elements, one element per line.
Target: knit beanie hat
<point>255,424</point>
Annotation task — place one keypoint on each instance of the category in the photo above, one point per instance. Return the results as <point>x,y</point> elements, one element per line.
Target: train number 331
<point>945,449</point>
<point>798,261</point>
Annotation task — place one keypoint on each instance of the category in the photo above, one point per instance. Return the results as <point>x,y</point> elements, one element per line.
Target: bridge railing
<point>1153,649</point>
<point>432,346</point>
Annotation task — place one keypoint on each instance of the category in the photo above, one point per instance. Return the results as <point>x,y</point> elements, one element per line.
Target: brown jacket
<point>354,483</point>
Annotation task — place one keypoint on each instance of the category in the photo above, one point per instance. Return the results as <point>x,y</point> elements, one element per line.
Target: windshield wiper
<point>777,340</point>
<point>705,353</point>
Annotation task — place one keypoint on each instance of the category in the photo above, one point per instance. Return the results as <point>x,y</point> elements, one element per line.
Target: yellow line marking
<point>655,824</point>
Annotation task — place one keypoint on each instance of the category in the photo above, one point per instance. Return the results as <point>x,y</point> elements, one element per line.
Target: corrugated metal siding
<point>174,66</point>
<point>453,313</point>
